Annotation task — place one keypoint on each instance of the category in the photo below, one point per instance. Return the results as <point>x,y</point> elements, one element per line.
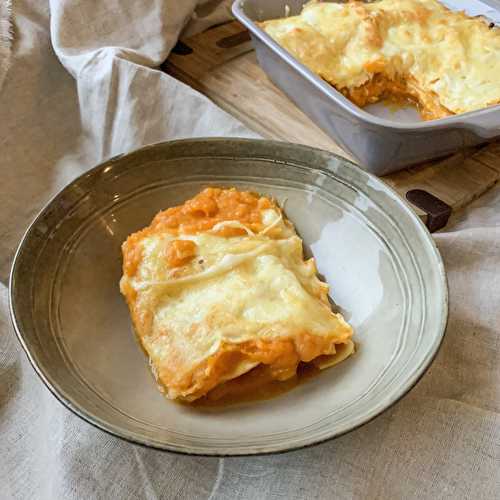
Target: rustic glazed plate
<point>385,273</point>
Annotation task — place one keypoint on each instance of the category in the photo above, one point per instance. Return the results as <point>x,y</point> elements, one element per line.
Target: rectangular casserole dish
<point>378,144</point>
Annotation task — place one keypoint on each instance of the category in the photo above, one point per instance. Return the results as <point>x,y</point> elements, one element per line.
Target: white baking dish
<point>380,140</point>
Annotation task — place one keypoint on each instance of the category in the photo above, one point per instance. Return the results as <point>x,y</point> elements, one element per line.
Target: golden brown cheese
<point>218,286</point>
<point>444,61</point>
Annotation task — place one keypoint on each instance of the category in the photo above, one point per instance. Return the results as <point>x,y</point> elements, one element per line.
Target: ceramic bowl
<point>385,273</point>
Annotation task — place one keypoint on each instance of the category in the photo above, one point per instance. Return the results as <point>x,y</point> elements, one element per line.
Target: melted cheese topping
<point>419,50</point>
<point>219,286</point>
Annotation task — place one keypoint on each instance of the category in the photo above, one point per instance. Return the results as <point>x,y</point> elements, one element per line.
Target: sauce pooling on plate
<point>258,385</point>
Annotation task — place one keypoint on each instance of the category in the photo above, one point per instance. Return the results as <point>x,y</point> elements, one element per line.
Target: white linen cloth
<point>441,441</point>
<point>5,38</point>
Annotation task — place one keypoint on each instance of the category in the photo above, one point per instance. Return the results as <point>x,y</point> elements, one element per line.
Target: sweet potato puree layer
<point>280,356</point>
<point>212,206</point>
<point>201,213</point>
<point>402,92</point>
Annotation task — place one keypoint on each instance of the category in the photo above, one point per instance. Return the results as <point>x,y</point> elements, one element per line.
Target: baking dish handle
<point>485,124</point>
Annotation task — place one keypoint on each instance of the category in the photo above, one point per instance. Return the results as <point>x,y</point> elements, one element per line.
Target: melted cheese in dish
<point>219,286</point>
<point>418,50</point>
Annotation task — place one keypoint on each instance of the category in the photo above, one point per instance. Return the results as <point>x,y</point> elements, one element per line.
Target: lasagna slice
<point>412,50</point>
<point>219,286</point>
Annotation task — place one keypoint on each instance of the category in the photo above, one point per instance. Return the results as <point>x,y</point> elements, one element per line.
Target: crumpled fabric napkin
<point>5,38</point>
<point>58,120</point>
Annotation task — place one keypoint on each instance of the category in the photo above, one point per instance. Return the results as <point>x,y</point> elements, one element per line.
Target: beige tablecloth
<point>441,441</point>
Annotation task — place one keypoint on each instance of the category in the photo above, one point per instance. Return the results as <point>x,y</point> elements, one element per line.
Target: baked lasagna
<point>218,287</point>
<point>413,50</point>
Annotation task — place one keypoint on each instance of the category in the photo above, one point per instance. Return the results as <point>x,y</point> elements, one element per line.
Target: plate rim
<point>254,450</point>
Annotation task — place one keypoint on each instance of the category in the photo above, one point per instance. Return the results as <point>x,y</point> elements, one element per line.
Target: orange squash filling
<point>280,357</point>
<point>401,91</point>
<point>212,206</point>
<point>201,213</point>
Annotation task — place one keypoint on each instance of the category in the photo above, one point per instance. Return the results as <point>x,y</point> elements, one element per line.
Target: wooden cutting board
<point>221,64</point>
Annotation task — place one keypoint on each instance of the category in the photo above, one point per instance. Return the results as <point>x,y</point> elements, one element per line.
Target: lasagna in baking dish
<point>418,50</point>
<point>218,287</point>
